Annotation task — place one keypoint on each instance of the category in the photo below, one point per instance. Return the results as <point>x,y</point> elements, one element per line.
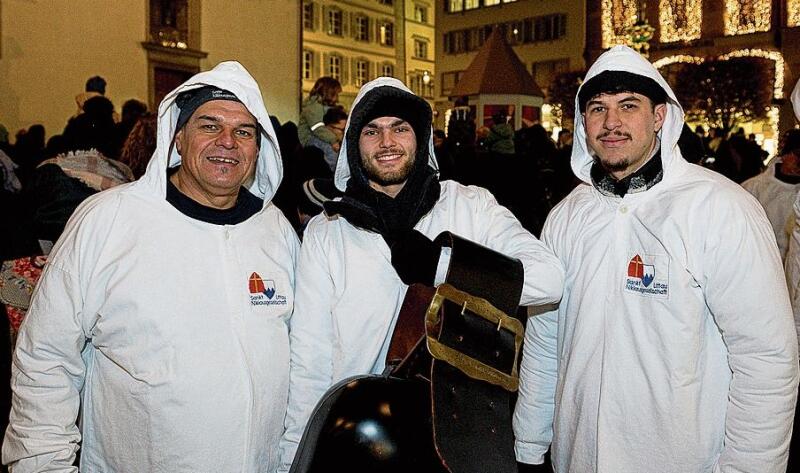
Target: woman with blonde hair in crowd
<point>324,95</point>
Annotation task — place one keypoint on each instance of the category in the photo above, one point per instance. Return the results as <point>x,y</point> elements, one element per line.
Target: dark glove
<point>415,257</point>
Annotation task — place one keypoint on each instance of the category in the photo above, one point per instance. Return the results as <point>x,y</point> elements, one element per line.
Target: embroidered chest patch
<point>648,276</point>
<point>264,291</point>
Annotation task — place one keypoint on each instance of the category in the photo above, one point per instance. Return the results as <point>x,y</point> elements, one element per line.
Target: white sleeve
<point>745,291</point>
<point>311,342</point>
<point>534,411</point>
<point>538,373</point>
<point>793,266</point>
<point>544,275</point>
<point>47,376</point>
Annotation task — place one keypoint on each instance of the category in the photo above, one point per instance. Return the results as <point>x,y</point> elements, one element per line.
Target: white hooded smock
<point>793,252</point>
<point>349,295</point>
<point>672,349</point>
<point>777,198</point>
<point>147,321</point>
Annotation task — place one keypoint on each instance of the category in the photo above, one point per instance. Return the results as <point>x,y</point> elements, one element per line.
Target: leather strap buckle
<point>470,366</point>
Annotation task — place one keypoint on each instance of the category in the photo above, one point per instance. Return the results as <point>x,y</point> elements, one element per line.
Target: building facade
<point>356,41</point>
<point>143,49</point>
<point>547,35</point>
<point>692,31</point>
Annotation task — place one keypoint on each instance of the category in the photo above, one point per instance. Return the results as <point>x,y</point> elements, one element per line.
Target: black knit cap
<point>615,82</point>
<point>188,102</point>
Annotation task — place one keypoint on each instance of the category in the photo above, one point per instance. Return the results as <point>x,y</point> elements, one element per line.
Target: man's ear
<point>179,140</point>
<point>660,112</point>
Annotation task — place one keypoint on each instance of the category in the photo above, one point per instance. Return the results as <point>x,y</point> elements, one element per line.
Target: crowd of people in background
<point>529,172</point>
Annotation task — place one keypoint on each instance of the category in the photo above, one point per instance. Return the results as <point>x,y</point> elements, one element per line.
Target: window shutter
<point>325,25</point>
<point>346,19</point>
<point>326,65</point>
<point>317,20</point>
<point>345,79</point>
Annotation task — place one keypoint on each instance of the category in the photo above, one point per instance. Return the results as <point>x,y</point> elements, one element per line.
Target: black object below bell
<point>370,424</point>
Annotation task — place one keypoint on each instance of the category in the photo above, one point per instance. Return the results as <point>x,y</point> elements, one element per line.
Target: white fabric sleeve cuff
<point>529,453</point>
<point>442,266</point>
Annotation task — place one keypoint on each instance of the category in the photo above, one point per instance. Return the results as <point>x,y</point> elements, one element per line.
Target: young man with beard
<point>358,259</point>
<point>673,349</point>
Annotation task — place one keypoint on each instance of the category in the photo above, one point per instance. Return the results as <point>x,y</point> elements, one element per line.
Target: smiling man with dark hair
<point>673,348</point>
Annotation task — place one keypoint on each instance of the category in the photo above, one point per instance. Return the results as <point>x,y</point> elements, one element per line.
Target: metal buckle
<point>470,366</point>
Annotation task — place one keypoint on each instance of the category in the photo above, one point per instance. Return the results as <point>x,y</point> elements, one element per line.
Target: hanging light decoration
<point>747,16</point>
<point>775,56</point>
<point>680,20</point>
<point>616,16</point>
<point>640,33</point>
<point>792,12</point>
<point>678,58</point>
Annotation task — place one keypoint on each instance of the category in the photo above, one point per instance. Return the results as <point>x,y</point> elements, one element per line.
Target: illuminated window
<point>335,22</point>
<point>616,16</point>
<point>421,13</point>
<point>387,34</point>
<point>471,4</point>
<point>747,16</point>
<point>421,84</point>
<point>455,5</point>
<point>488,3</point>
<point>387,70</point>
<point>680,20</point>
<point>792,12</point>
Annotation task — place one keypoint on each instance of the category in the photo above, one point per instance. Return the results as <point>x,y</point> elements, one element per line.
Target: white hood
<point>231,76</point>
<point>623,58</point>
<point>342,174</point>
<point>796,100</point>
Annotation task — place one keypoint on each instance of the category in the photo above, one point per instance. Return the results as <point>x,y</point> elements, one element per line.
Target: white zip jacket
<point>149,324</point>
<point>777,198</point>
<point>349,295</point>
<point>672,349</point>
<point>793,252</point>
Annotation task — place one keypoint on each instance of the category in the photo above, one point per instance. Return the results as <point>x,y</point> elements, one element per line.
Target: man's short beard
<point>616,166</point>
<point>388,179</point>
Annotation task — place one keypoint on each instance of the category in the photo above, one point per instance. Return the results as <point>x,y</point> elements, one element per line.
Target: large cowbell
<point>370,424</point>
<point>445,402</point>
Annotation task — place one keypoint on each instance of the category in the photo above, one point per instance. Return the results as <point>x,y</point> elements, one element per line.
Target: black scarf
<point>375,211</point>
<point>646,177</point>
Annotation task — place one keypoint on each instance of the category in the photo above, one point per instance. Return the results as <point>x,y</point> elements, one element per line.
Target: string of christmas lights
<point>793,12</point>
<point>680,20</point>
<point>747,16</point>
<point>617,16</point>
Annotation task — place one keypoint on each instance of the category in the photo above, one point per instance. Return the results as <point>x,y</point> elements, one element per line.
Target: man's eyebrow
<point>397,122</point>
<point>629,98</point>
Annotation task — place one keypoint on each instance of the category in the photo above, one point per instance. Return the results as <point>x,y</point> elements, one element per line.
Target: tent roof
<point>496,70</point>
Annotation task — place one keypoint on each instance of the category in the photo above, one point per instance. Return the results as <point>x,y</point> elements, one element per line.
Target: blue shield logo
<point>649,274</point>
<point>269,288</point>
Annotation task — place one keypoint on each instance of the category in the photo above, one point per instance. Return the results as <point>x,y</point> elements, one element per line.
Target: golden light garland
<point>792,12</point>
<point>747,16</point>
<point>681,25</point>
<point>617,15</point>
<point>775,56</point>
<point>683,58</point>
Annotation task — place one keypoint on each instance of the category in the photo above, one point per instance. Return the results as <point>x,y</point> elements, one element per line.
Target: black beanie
<point>188,102</point>
<point>191,100</point>
<point>614,82</point>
